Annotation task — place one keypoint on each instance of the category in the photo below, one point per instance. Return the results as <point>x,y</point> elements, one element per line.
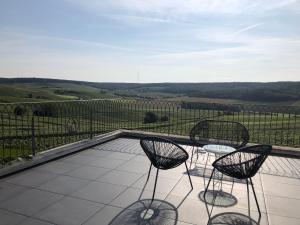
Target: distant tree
<point>150,117</point>
<point>44,110</point>
<point>19,111</point>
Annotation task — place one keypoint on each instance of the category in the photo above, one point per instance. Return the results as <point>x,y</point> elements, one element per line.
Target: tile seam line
<point>26,216</point>
<point>263,191</point>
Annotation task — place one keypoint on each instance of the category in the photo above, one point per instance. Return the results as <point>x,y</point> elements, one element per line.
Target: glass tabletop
<point>218,149</point>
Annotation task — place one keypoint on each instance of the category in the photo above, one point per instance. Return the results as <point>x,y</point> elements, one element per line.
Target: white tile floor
<point>104,185</point>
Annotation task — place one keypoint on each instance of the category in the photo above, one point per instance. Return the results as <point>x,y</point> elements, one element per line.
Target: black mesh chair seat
<point>163,154</point>
<point>166,163</point>
<point>229,133</point>
<point>219,132</point>
<point>242,164</point>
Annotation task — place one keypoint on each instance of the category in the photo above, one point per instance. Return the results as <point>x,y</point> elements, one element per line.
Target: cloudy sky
<point>151,40</point>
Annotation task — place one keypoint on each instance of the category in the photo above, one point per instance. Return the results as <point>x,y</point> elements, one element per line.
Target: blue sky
<point>151,41</point>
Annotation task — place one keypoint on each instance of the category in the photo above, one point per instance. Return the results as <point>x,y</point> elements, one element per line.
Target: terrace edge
<point>72,148</point>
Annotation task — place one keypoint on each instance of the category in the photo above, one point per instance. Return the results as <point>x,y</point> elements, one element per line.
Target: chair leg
<point>197,155</point>
<point>212,173</point>
<point>205,164</point>
<point>154,186</point>
<point>204,196</point>
<point>149,172</point>
<point>255,198</point>
<point>189,175</point>
<point>191,161</point>
<point>248,197</point>
<point>232,185</point>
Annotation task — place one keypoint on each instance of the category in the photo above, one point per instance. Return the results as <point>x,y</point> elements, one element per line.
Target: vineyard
<point>29,128</point>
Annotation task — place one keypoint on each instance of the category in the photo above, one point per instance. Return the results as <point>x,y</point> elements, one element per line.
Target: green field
<point>57,112</point>
<point>40,90</point>
<point>59,123</point>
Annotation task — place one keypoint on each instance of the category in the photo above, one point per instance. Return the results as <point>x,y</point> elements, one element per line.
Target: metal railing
<point>28,128</point>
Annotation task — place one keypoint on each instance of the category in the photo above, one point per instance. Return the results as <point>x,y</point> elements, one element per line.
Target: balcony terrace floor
<point>105,185</point>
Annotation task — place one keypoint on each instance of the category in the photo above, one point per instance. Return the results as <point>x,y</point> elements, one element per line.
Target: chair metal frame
<point>243,168</point>
<point>153,156</point>
<point>201,134</point>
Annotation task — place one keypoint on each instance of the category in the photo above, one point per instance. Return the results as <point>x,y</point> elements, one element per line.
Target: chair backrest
<point>229,133</point>
<point>243,163</point>
<point>160,149</point>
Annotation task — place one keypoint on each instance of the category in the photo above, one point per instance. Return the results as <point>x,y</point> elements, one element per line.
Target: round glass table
<point>218,149</point>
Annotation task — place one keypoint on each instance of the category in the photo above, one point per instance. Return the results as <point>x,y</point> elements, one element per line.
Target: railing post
<point>91,125</point>
<point>33,145</point>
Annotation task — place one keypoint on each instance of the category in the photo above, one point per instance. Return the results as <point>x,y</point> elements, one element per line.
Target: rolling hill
<point>39,89</point>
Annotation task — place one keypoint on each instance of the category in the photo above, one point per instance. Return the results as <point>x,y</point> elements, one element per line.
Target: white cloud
<point>12,37</point>
<point>188,6</point>
<point>246,29</point>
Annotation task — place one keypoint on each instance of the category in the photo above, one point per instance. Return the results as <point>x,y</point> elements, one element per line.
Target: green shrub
<point>150,117</point>
<point>19,111</point>
<point>44,110</point>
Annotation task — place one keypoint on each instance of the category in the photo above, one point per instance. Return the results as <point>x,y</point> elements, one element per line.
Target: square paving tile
<point>189,210</point>
<point>281,189</point>
<point>30,202</point>
<point>9,218</point>
<point>104,216</point>
<point>121,155</point>
<point>99,192</point>
<point>141,159</point>
<point>163,185</point>
<point>183,188</point>
<point>33,221</point>
<point>79,159</point>
<point>8,190</point>
<point>135,167</point>
<point>64,185</point>
<point>271,179</point>
<point>69,211</point>
<point>235,215</point>
<point>115,216</point>
<point>58,167</point>
<point>132,195</point>
<point>96,153</point>
<point>280,220</point>
<point>89,172</point>
<point>31,178</point>
<point>280,206</point>
<point>120,178</point>
<point>107,163</point>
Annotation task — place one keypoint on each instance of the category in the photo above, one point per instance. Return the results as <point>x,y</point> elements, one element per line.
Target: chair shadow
<point>148,212</point>
<point>143,212</point>
<point>201,171</point>
<point>218,198</point>
<point>231,218</point>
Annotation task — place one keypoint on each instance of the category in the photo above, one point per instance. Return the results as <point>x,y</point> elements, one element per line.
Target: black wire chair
<point>242,164</point>
<point>219,132</point>
<point>164,154</point>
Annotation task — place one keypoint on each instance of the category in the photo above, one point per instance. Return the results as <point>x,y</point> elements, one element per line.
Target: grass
<point>39,90</point>
<point>73,121</point>
<point>35,92</point>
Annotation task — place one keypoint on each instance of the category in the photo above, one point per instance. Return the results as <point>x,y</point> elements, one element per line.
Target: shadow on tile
<point>144,212</point>
<point>231,218</point>
<point>218,198</point>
